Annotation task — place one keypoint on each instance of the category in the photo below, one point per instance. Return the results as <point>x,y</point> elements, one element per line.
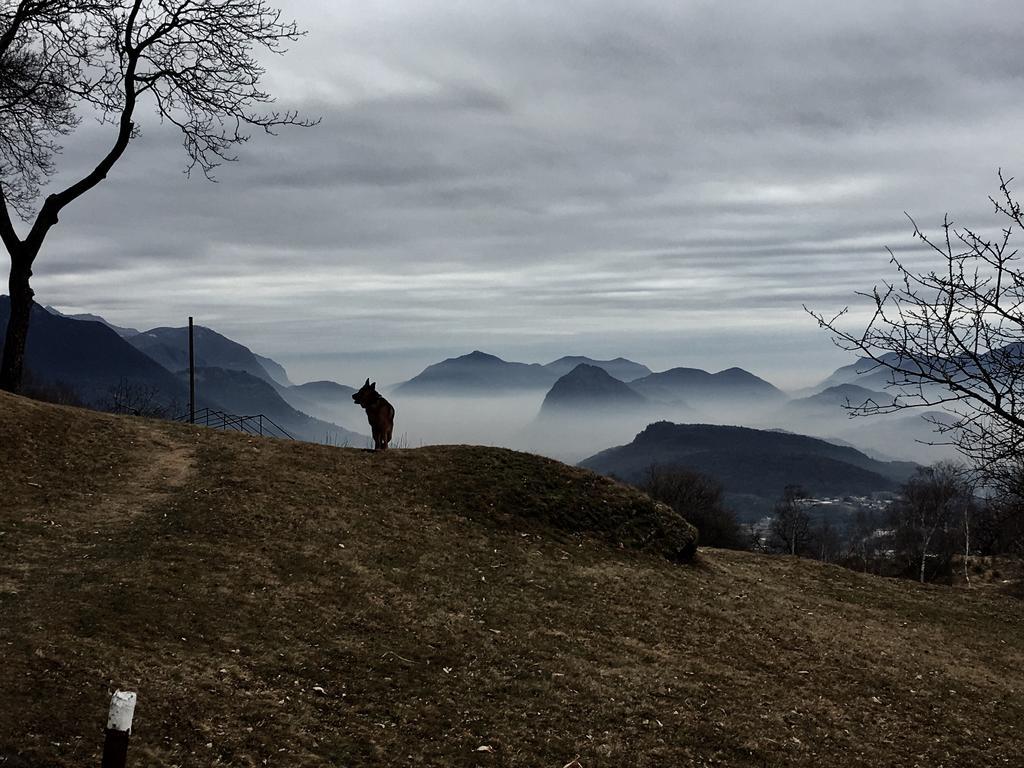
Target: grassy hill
<point>288,604</point>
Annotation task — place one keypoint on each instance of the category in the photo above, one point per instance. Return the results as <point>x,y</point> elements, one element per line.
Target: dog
<point>379,412</point>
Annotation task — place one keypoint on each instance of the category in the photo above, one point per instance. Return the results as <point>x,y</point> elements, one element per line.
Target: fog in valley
<point>515,421</point>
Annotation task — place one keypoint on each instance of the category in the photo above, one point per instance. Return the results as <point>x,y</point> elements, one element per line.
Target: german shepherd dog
<point>379,412</point>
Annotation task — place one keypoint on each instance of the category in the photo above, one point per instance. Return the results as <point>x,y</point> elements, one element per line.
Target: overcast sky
<point>668,181</point>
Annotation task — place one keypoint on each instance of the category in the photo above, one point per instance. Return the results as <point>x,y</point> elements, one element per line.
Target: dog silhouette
<point>379,412</point>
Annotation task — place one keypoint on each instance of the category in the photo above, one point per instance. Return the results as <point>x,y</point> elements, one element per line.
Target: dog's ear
<point>367,383</point>
<point>373,386</point>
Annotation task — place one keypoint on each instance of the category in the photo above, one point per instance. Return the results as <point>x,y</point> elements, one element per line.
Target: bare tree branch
<point>953,339</point>
<point>194,62</point>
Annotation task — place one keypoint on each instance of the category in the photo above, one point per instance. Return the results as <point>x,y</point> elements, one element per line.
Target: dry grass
<point>295,605</point>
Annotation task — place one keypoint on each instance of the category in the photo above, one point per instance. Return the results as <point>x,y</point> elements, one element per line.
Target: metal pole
<point>191,375</point>
<point>119,728</point>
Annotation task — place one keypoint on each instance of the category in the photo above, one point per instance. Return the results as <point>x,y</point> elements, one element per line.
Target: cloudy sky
<point>665,180</point>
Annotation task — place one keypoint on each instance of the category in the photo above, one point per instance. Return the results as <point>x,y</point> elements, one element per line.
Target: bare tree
<point>826,541</point>
<point>193,61</point>
<point>934,501</point>
<point>36,74</point>
<point>953,338</point>
<point>998,525</point>
<point>699,499</point>
<point>137,398</point>
<point>861,536</point>
<point>57,392</point>
<point>791,525</point>
<point>752,538</point>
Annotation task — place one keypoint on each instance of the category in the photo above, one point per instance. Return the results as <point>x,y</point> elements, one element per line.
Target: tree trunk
<point>13,364</point>
<point>924,555</point>
<point>967,546</point>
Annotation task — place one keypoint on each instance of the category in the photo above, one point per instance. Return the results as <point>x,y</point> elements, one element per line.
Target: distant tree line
<point>127,397</point>
<point>937,528</point>
<point>950,340</point>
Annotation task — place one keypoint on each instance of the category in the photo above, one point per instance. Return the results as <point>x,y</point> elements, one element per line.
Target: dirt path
<point>70,484</point>
<point>159,466</point>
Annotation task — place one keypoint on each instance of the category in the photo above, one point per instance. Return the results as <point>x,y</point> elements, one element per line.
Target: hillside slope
<point>243,393</point>
<point>88,356</point>
<point>169,347</point>
<point>288,604</point>
<point>327,400</point>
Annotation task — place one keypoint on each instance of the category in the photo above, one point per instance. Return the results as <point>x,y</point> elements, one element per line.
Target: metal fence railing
<point>261,425</point>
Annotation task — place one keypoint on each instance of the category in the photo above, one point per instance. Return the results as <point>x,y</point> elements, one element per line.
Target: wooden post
<point>191,375</point>
<point>119,728</point>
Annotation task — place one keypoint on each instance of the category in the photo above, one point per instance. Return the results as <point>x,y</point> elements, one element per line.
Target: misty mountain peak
<point>620,368</point>
<point>169,347</point>
<point>686,384</point>
<point>587,374</point>
<point>588,386</point>
<point>476,372</point>
<point>476,356</point>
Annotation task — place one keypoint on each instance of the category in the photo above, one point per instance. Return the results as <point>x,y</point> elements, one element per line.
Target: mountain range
<point>838,398</point>
<point>119,330</point>
<point>327,400</point>
<point>587,402</point>
<point>88,357</point>
<point>862,373</point>
<point>476,372</point>
<point>248,394</point>
<point>483,373</point>
<point>693,385</point>
<point>169,347</point>
<point>869,374</point>
<point>93,359</point>
<point>619,368</point>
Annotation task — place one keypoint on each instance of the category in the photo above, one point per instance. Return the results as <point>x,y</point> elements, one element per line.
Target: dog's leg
<point>389,423</point>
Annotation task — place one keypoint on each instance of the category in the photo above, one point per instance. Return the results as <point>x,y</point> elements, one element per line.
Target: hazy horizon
<point>469,412</point>
<point>391,367</point>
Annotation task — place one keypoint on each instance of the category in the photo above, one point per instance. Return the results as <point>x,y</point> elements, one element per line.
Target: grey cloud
<point>659,179</point>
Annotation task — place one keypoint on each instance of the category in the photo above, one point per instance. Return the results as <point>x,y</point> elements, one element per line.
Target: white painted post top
<point>122,710</point>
